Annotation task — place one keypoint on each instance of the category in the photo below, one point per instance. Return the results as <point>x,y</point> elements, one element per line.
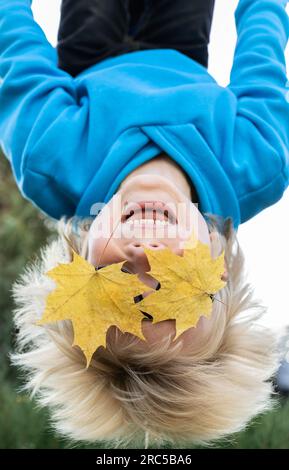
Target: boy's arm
<point>35,96</point>
<point>258,80</point>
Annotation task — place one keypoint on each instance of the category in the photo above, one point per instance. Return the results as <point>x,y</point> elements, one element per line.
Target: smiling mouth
<point>149,212</point>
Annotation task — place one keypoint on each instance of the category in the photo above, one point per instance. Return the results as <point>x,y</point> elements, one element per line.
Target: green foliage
<point>22,426</point>
<point>23,231</point>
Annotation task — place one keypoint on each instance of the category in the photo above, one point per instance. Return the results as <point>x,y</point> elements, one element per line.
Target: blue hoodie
<point>71,141</point>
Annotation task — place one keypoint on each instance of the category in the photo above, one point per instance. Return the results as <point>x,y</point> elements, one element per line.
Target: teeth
<point>146,221</point>
<point>139,222</point>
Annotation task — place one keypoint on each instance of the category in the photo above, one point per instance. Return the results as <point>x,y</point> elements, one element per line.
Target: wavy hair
<point>133,397</point>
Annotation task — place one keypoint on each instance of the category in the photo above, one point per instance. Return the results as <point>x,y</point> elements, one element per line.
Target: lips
<point>149,210</point>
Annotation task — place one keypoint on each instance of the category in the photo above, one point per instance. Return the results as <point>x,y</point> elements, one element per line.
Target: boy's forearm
<point>21,37</point>
<point>263,29</point>
<point>260,135</point>
<point>259,77</point>
<point>29,73</point>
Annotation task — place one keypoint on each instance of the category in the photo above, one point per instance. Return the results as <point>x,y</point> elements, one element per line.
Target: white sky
<point>263,238</point>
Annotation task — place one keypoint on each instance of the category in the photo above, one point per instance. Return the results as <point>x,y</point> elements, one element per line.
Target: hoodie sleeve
<point>260,145</point>
<point>36,97</point>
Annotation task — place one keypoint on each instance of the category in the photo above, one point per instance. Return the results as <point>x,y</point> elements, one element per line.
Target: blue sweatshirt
<point>71,141</point>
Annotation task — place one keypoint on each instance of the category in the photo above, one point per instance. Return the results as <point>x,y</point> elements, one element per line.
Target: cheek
<point>95,248</point>
<point>100,242</point>
<point>203,231</point>
<point>198,230</point>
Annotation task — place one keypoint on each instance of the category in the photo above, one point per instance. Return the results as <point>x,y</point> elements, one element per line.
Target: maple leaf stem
<point>220,301</point>
<point>102,253</point>
<point>211,295</point>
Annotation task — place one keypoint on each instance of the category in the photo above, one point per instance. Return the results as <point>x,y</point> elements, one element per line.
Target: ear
<point>228,228</point>
<point>214,236</point>
<point>225,275</point>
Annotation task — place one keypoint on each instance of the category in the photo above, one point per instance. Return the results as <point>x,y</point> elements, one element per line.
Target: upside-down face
<point>147,211</point>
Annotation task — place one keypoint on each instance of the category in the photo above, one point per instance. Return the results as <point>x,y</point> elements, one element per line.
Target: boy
<point>76,141</point>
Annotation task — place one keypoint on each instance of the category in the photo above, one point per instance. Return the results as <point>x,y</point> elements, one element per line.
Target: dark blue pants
<point>93,30</point>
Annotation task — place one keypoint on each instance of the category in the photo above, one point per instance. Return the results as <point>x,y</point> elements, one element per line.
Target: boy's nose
<point>137,247</point>
<point>138,261</point>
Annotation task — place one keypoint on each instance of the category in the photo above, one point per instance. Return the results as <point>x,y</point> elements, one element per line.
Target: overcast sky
<point>264,238</point>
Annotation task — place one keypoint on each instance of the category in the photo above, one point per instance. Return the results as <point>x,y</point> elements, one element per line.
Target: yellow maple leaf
<point>186,283</point>
<point>93,301</point>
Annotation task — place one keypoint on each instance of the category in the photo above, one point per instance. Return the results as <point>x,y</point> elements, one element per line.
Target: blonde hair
<point>134,397</point>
